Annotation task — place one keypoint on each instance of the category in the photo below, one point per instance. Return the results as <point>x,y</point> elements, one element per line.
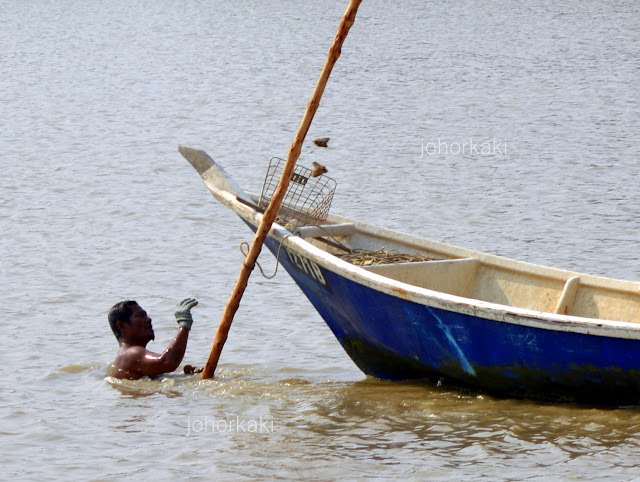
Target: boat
<point>408,308</point>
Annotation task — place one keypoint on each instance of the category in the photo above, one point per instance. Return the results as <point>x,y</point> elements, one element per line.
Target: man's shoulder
<point>126,364</point>
<point>134,349</point>
<point>131,353</point>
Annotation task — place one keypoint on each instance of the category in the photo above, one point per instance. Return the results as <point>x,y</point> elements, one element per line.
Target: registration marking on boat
<point>310,268</point>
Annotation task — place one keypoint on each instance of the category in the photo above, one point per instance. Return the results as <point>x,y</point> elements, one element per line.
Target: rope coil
<point>245,244</point>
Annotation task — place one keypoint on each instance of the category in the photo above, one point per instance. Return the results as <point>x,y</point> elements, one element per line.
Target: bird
<point>321,141</point>
<point>318,170</point>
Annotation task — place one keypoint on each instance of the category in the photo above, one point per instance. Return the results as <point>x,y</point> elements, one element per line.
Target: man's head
<point>130,323</point>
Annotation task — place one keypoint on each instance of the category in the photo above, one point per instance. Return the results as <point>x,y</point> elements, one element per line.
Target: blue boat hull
<point>396,339</point>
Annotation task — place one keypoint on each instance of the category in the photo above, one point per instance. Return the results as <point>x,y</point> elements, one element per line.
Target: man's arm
<point>142,362</point>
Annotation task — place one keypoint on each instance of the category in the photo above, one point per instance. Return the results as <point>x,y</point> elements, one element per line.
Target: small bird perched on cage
<point>321,141</point>
<point>318,170</point>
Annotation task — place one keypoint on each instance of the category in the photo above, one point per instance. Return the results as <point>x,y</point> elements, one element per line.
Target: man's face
<point>140,328</point>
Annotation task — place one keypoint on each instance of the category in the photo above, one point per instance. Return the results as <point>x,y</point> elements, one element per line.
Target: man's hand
<point>183,312</point>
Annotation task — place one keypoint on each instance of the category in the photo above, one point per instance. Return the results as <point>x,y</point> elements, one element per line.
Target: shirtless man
<point>132,327</point>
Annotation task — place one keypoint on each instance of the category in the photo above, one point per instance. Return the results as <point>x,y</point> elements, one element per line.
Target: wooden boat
<point>454,316</point>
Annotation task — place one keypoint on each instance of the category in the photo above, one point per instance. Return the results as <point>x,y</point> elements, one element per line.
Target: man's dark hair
<point>120,311</point>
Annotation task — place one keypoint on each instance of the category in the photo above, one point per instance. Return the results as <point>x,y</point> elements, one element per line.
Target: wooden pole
<point>272,210</point>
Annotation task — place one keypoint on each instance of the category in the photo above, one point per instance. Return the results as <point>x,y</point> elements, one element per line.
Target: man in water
<point>132,327</point>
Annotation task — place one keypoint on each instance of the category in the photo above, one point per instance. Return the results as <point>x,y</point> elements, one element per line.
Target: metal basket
<point>308,198</point>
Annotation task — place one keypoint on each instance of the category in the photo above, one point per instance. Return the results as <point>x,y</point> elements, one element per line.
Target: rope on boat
<point>355,257</point>
<point>245,244</point>
<point>375,258</point>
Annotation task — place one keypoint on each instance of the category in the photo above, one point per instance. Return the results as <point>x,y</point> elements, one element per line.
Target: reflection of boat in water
<point>405,307</point>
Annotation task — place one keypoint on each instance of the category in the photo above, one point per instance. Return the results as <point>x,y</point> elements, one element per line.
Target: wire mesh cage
<point>308,196</point>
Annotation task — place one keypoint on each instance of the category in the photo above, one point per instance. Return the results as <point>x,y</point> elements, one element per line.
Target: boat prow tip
<point>200,160</point>
<point>211,172</point>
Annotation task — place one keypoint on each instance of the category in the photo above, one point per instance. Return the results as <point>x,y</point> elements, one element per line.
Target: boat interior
<point>475,275</point>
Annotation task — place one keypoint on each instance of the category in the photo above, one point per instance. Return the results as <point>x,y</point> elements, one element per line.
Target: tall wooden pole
<point>272,210</point>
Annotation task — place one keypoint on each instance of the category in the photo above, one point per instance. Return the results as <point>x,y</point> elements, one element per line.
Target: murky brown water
<point>97,205</point>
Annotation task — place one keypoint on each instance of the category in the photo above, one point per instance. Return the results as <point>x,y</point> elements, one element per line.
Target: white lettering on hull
<point>309,267</point>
